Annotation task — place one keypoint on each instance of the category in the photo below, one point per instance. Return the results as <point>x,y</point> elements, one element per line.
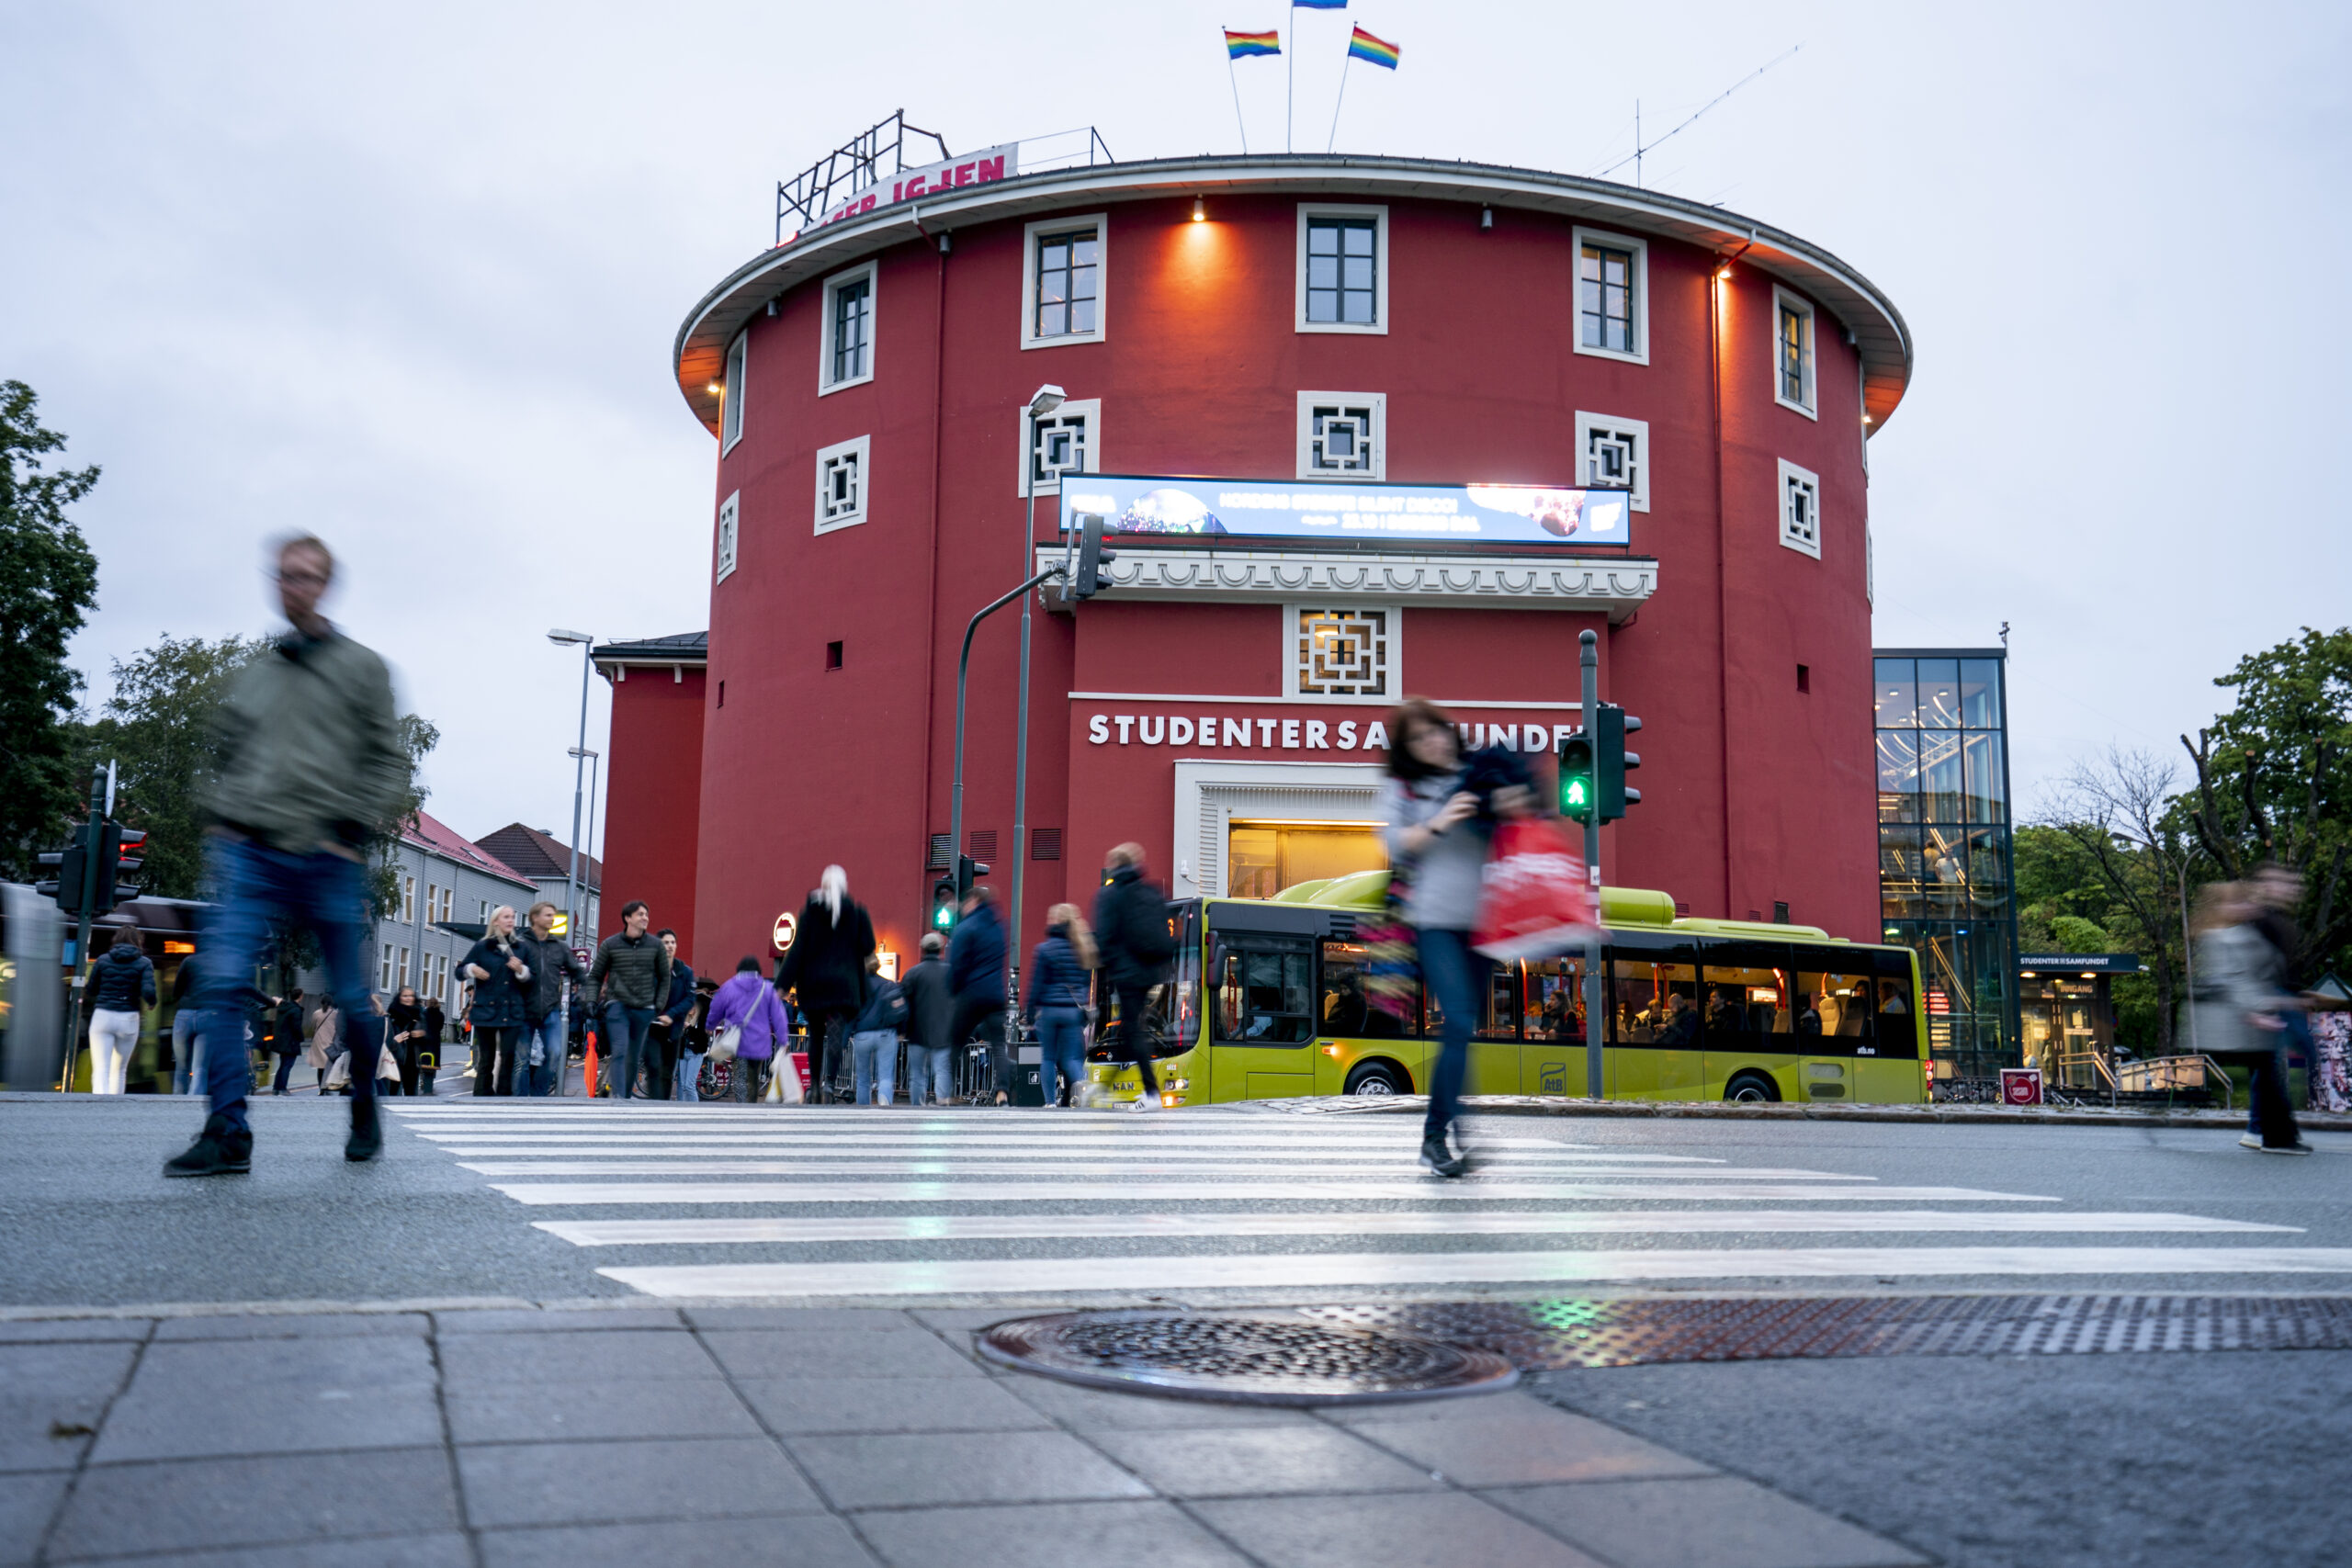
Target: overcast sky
<point>409,274</point>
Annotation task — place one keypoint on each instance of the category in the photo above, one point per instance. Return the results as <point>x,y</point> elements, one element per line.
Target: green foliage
<point>2076,934</point>
<point>48,582</point>
<point>417,738</point>
<point>157,729</point>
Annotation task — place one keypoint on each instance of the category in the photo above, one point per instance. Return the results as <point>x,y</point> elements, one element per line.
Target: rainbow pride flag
<point>1362,45</point>
<point>1241,46</point>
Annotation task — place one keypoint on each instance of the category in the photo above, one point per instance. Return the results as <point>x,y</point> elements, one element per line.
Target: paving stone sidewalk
<point>747,1436</point>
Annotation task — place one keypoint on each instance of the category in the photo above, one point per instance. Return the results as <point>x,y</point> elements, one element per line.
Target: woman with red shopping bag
<point>1440,818</point>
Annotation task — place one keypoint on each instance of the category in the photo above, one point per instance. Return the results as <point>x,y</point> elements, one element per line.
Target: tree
<point>48,582</point>
<point>156,728</point>
<point>417,738</point>
<point>2274,780</point>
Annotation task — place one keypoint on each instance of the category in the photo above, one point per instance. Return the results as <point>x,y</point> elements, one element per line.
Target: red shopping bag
<point>1537,900</point>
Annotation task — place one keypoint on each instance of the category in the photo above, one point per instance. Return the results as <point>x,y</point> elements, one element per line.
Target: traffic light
<point>122,851</point>
<point>1611,762</point>
<point>1576,777</point>
<point>945,905</point>
<point>1087,582</point>
<point>69,863</point>
<point>967,872</point>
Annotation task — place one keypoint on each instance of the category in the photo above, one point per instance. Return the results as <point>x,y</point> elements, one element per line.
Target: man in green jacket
<point>632,973</point>
<point>310,768</point>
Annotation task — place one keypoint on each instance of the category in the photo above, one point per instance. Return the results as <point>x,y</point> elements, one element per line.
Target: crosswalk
<point>801,1204</point>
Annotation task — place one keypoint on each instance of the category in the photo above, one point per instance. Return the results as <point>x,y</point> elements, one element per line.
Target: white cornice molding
<point>1619,586</point>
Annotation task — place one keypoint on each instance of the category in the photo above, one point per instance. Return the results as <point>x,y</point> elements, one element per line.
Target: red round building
<point>1355,321</point>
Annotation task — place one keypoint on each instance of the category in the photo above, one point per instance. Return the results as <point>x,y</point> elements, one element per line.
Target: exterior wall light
<point>1486,217</point>
<point>716,390</point>
<point>1198,215</point>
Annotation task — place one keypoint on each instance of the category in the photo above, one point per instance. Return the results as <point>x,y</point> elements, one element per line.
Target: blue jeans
<point>689,1070</point>
<point>1061,1048</point>
<point>187,1073</point>
<point>546,1078</point>
<point>256,888</point>
<point>874,1055</point>
<point>627,1045</point>
<point>1456,978</point>
<point>931,1069</point>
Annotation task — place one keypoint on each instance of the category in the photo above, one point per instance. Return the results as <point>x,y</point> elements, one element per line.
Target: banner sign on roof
<point>1354,514</point>
<point>979,168</point>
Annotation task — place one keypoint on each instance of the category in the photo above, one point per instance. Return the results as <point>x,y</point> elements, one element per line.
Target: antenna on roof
<point>1634,157</point>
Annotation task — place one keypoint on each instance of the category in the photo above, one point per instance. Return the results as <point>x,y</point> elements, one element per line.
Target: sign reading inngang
<point>1367,513</point>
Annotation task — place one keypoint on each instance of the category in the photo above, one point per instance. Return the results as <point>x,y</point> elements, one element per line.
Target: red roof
<point>429,832</point>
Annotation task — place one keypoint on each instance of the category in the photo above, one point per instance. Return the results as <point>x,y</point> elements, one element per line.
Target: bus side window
<point>1264,992</point>
<point>1898,1027</point>
<point>1748,995</point>
<point>1653,1004</point>
<point>1834,1011</point>
<point>1554,1009</point>
<point>1501,1021</point>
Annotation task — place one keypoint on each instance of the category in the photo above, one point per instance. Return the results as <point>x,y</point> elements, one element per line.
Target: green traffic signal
<point>1576,778</point>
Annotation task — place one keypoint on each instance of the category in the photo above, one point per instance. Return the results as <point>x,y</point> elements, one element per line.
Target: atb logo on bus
<point>2020,1086</point>
<point>787,926</point>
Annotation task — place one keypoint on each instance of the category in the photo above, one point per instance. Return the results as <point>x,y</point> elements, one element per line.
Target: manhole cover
<point>1252,1358</point>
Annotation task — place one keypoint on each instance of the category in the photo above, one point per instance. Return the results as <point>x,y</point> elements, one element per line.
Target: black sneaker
<point>366,1133</point>
<point>219,1150</point>
<point>1439,1159</point>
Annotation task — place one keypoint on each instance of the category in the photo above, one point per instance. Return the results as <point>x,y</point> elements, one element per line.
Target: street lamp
<point>1043,402</point>
<point>588,841</point>
<point>579,755</point>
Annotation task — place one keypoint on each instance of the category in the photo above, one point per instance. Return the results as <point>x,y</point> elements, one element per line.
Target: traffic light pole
<point>92,835</point>
<point>1589,663</point>
<point>963,673</point>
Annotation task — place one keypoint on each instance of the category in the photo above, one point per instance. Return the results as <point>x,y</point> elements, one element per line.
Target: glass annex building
<point>1944,861</point>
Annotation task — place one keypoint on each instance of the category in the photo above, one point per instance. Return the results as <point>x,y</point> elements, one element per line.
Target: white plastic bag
<point>723,1043</point>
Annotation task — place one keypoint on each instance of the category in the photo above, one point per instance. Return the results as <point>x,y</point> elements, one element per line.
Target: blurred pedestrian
<point>309,767</point>
<point>325,1044</point>
<point>669,1023</point>
<point>429,1051</point>
<point>539,1060</point>
<point>2277,890</point>
<point>404,1029</point>
<point>930,1025</point>
<point>631,975</point>
<point>2238,1004</point>
<point>502,978</point>
<point>1059,979</point>
<point>825,967</point>
<point>975,970</point>
<point>694,1040</point>
<point>120,987</point>
<point>874,1037</point>
<point>748,1004</point>
<point>1131,929</point>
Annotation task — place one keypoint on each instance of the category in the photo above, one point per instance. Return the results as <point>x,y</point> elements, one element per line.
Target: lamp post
<point>588,842</point>
<point>1043,402</point>
<point>579,755</point>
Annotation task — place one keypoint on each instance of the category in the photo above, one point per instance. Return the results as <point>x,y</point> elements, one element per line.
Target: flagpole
<point>1236,84</point>
<point>1335,107</point>
<point>1290,89</point>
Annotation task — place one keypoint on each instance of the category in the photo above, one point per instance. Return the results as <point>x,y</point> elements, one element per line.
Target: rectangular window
<point>1062,283</point>
<point>842,472</point>
<point>1792,352</point>
<point>846,358</point>
<point>1611,302</point>
<point>401,978</point>
<point>1066,441</point>
<point>1613,451</point>
<point>731,512</point>
<point>384,969</point>
<point>1653,1004</point>
<point>1747,998</point>
<point>1264,989</point>
<point>1800,509</point>
<point>448,902</point>
<point>730,414</point>
<point>407,900</point>
<point>1347,1011</point>
<point>1342,269</point>
<point>1343,655</point>
<point>1342,435</point>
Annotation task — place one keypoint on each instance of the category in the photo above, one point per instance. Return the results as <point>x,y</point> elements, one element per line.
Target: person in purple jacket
<point>748,1002</point>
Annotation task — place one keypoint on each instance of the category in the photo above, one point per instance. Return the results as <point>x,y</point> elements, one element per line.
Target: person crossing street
<point>631,975</point>
<point>976,972</point>
<point>538,1060</point>
<point>121,986</point>
<point>1131,929</point>
<point>825,968</point>
<point>670,1024</point>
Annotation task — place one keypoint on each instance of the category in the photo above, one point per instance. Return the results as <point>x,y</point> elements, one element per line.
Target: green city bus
<point>1266,999</point>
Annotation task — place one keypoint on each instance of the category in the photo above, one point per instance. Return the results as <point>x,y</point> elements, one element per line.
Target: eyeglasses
<point>313,579</point>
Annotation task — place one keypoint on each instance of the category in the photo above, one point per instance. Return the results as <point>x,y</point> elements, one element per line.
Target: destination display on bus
<point>1175,508</point>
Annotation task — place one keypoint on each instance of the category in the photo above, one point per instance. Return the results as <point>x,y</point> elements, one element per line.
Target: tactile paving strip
<point>1599,1333</point>
<point>1252,1358</point>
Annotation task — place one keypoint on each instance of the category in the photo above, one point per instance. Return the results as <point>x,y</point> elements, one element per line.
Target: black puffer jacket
<point>122,980</point>
<point>1131,929</point>
<point>826,966</point>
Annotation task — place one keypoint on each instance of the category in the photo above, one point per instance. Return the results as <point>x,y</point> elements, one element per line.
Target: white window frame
<point>407,900</point>
<point>1088,409</point>
<point>862,448</point>
<point>1579,236</point>
<point>1785,300</point>
<point>1102,221</point>
<point>1395,693</point>
<point>1803,541</point>
<point>826,385</point>
<point>384,969</point>
<point>730,535</point>
<point>1639,429</point>
<point>730,407</point>
<point>1377,402</point>
<point>1379,326</point>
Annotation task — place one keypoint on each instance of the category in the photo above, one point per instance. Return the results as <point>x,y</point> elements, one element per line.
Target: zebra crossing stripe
<point>580,1194</point>
<point>1040,1171</point>
<point>1042,1227</point>
<point>1264,1271</point>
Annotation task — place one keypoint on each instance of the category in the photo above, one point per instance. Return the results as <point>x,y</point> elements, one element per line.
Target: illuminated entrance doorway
<point>1264,857</point>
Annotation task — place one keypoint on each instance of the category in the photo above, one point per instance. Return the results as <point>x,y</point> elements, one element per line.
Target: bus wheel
<point>1374,1077</point>
<point>1751,1088</point>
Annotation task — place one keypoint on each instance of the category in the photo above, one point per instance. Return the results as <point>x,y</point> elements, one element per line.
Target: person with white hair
<point>501,1001</point>
<point>825,969</point>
